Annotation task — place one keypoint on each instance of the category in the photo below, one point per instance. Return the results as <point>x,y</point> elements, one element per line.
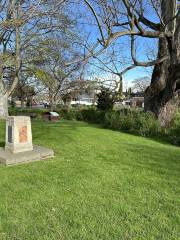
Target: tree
<point>22,23</point>
<point>24,92</point>
<point>9,24</point>
<point>161,95</point>
<point>140,84</point>
<point>118,19</point>
<point>56,68</point>
<point>119,93</point>
<point>105,100</point>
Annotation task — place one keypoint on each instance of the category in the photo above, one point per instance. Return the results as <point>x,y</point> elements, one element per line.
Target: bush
<point>105,99</point>
<point>134,121</point>
<point>93,116</point>
<point>128,120</point>
<point>174,131</point>
<point>34,113</point>
<point>82,114</point>
<point>66,113</point>
<point>12,111</point>
<point>145,124</point>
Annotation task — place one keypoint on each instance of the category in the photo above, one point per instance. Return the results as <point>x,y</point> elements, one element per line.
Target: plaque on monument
<point>23,134</point>
<point>9,134</point>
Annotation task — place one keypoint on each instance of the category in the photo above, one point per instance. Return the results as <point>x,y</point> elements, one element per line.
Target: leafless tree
<point>57,67</point>
<point>21,24</point>
<point>141,84</point>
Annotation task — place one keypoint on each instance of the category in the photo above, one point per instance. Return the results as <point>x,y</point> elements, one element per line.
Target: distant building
<point>85,98</point>
<point>87,95</point>
<point>134,102</point>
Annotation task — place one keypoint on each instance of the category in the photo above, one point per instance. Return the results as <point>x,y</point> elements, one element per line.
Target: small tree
<point>105,100</point>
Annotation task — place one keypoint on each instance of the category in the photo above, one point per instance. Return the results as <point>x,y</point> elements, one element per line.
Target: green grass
<point>101,185</point>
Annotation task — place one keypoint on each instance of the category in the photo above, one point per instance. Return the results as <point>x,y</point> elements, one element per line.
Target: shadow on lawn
<point>162,158</point>
<point>163,139</point>
<point>74,125</point>
<point>53,132</point>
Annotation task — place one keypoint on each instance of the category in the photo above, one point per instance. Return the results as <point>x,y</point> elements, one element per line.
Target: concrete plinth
<point>18,134</point>
<point>38,153</point>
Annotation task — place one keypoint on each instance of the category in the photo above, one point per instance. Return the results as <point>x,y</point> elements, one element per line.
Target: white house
<point>85,98</point>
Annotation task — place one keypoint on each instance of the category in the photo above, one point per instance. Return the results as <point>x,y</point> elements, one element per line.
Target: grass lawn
<point>102,185</point>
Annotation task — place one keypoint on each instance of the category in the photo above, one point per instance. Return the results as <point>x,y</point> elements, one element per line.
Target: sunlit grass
<point>102,184</point>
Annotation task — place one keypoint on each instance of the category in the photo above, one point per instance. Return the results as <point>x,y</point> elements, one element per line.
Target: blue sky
<point>87,28</point>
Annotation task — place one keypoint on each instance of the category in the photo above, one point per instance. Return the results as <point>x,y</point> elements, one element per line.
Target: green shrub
<point>105,100</point>
<point>145,124</point>
<point>111,120</point>
<point>93,116</point>
<point>134,121</point>
<point>68,113</point>
<point>62,112</point>
<point>34,113</point>
<point>12,111</point>
<point>118,120</point>
<point>174,131</point>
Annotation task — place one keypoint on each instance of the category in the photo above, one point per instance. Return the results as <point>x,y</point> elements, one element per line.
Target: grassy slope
<point>101,185</point>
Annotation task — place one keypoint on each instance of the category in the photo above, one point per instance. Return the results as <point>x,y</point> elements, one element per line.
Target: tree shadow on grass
<point>74,125</point>
<point>163,139</point>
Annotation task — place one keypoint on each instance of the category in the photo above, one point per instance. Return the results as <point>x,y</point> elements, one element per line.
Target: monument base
<point>38,153</point>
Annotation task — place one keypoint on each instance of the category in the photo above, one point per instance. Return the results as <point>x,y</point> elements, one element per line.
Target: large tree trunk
<point>161,97</point>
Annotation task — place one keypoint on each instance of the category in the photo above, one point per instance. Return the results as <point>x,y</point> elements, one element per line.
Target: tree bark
<point>161,97</point>
<point>53,103</point>
<point>52,100</point>
<point>3,101</point>
<point>3,106</point>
